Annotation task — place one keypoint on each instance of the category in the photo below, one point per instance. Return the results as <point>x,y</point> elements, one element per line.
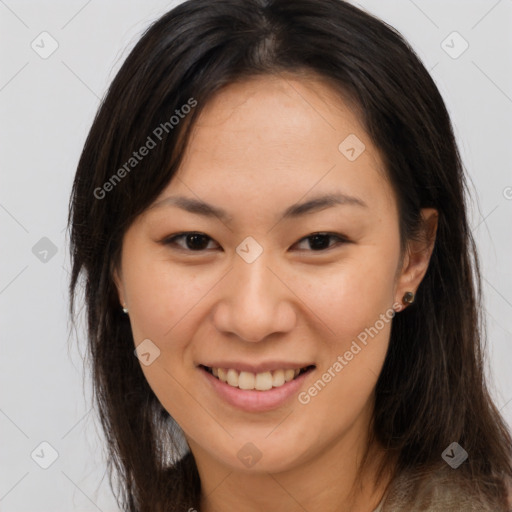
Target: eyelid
<point>170,240</point>
<point>341,239</point>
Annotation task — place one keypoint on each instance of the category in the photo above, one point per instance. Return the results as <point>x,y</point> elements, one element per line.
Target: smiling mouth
<point>263,381</point>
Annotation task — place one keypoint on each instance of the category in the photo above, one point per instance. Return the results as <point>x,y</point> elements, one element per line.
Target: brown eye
<point>320,241</point>
<point>193,241</point>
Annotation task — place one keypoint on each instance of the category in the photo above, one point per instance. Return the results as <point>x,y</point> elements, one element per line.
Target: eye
<point>198,242</point>
<point>320,241</point>
<point>194,241</point>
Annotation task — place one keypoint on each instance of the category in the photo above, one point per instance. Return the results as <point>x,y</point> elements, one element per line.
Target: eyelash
<point>172,240</point>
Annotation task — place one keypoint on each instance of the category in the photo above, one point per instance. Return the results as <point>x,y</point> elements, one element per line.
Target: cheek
<point>351,297</point>
<point>357,307</point>
<point>355,302</point>
<point>163,300</point>
<point>161,296</point>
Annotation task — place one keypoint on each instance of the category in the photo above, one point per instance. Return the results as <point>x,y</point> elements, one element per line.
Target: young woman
<point>281,286</point>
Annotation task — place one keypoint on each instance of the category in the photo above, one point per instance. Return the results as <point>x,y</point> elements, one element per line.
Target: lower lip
<point>253,400</point>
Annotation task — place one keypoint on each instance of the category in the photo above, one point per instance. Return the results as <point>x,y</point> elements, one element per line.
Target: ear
<point>117,277</point>
<point>417,255</point>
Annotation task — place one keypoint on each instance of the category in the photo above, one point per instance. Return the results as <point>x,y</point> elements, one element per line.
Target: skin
<point>259,147</point>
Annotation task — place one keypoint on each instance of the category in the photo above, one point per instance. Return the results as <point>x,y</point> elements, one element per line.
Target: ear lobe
<point>417,257</point>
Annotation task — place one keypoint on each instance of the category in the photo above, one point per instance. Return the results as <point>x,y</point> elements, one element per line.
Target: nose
<point>255,302</point>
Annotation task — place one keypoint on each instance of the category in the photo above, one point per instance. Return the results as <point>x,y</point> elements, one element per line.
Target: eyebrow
<point>315,204</point>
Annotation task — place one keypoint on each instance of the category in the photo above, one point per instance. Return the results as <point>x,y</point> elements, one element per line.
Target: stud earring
<point>408,298</point>
<point>125,310</point>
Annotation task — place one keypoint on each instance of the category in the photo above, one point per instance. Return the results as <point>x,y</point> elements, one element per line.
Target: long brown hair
<point>432,388</point>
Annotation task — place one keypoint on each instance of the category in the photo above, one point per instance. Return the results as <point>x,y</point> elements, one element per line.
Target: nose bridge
<point>254,281</point>
<point>254,305</point>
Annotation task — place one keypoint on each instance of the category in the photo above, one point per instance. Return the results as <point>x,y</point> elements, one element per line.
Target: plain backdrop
<point>47,104</point>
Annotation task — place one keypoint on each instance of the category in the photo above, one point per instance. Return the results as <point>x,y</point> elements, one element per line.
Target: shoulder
<point>440,490</point>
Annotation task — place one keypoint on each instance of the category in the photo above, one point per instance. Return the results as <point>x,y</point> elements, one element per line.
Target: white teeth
<point>260,381</point>
<point>223,375</point>
<point>289,375</point>
<point>246,380</point>
<point>233,378</point>
<point>278,378</point>
<point>263,381</point>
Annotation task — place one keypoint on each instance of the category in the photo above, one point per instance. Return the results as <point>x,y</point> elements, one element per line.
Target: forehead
<point>275,114</point>
<point>279,135</point>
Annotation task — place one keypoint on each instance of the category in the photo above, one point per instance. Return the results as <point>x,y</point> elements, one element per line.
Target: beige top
<point>441,490</point>
<point>379,506</point>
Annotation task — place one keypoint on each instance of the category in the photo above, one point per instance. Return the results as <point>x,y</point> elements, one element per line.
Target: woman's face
<point>255,292</point>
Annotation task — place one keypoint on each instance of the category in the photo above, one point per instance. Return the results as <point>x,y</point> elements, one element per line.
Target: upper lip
<point>256,368</point>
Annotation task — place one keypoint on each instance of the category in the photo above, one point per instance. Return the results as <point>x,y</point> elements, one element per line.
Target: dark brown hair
<point>432,389</point>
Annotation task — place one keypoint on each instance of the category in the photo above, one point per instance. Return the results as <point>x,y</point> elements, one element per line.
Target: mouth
<point>262,381</point>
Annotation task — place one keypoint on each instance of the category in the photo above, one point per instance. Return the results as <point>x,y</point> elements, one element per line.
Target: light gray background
<point>46,109</point>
